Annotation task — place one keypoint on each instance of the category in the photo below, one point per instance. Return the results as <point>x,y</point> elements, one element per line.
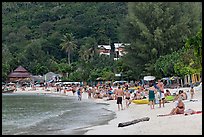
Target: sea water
<point>43,114</point>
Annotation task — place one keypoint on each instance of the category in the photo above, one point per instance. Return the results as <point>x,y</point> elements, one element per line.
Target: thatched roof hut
<point>19,73</point>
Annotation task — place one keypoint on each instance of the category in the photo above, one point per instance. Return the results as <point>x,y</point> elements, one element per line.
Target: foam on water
<point>44,114</point>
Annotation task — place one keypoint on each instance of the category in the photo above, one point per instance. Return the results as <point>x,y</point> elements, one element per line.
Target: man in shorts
<point>127,97</point>
<point>160,86</point>
<point>120,96</point>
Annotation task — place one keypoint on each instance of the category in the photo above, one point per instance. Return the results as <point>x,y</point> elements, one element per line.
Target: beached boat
<point>141,101</point>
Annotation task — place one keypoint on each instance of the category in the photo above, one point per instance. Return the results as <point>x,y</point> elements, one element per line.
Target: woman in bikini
<point>179,109</point>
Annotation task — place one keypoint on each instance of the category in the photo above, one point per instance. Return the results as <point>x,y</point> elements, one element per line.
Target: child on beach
<point>192,92</point>
<point>79,93</point>
<point>73,89</point>
<point>89,92</point>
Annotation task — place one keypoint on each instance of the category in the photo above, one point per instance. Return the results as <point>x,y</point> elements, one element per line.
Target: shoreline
<point>174,125</point>
<point>76,131</point>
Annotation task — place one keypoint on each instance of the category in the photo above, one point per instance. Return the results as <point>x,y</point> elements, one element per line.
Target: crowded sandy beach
<point>169,125</point>
<point>178,124</point>
<point>101,68</point>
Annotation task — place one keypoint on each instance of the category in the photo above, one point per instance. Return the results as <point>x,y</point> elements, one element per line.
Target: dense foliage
<point>155,29</point>
<point>36,35</point>
<point>63,36</point>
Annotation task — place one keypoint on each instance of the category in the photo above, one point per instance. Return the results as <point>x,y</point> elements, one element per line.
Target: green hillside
<point>63,36</point>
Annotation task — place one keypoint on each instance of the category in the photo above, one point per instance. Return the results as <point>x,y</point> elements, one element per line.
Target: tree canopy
<point>155,29</point>
<point>63,36</point>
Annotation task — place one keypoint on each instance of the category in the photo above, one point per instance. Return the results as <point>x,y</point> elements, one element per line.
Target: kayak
<point>169,98</point>
<point>141,101</point>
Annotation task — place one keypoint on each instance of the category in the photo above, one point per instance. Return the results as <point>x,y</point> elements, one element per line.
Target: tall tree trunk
<point>69,62</point>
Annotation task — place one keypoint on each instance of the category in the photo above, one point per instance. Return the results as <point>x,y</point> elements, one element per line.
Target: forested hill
<point>31,26</point>
<point>165,38</point>
<point>84,19</point>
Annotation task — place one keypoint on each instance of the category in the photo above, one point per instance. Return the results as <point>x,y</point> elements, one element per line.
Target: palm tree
<point>84,54</point>
<point>68,45</point>
<point>88,49</point>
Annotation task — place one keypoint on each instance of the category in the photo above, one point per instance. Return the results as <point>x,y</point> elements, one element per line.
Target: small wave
<point>63,112</point>
<point>52,116</point>
<point>61,117</point>
<point>38,120</point>
<point>20,133</point>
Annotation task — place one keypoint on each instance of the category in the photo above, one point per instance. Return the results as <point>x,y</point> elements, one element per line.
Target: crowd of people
<point>154,93</point>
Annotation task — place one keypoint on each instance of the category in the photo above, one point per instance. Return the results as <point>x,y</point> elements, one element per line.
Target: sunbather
<point>179,109</point>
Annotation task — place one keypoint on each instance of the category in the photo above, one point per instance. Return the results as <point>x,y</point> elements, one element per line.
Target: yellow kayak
<point>169,98</point>
<point>142,101</point>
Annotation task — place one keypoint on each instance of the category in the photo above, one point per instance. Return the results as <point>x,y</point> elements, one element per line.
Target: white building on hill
<point>119,50</point>
<point>104,49</point>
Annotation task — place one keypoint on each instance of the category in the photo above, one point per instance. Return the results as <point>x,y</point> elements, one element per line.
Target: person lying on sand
<point>191,112</point>
<point>180,109</point>
<point>186,112</point>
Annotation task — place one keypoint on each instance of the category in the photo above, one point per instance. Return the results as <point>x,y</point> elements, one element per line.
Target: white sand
<point>168,125</point>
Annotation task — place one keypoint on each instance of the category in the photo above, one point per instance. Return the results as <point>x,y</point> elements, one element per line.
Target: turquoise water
<point>32,114</point>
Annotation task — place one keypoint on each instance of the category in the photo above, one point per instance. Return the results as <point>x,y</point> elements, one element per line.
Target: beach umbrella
<point>10,83</point>
<point>99,78</point>
<point>149,78</point>
<point>165,78</point>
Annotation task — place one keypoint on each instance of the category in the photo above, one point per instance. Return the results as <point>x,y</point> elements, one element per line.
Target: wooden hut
<point>19,74</point>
